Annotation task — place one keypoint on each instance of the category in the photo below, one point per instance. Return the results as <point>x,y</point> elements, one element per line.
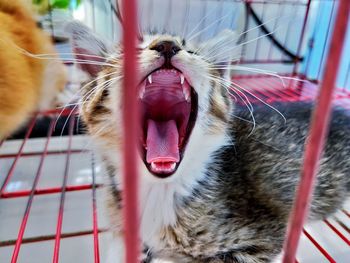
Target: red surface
<point>317,135</point>
<point>131,132</point>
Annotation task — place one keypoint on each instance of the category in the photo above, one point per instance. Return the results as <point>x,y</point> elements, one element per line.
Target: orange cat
<point>26,83</point>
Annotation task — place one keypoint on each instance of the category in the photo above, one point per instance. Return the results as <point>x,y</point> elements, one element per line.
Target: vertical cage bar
<point>312,40</point>
<point>275,26</point>
<point>56,252</point>
<point>325,44</point>
<point>347,78</point>
<point>290,24</point>
<point>302,36</point>
<point>131,132</point>
<point>263,13</point>
<point>317,135</point>
<point>94,212</point>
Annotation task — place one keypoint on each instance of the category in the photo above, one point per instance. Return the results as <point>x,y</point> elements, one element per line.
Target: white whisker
<point>242,44</point>
<point>207,27</point>
<point>262,101</point>
<point>201,21</point>
<point>227,85</point>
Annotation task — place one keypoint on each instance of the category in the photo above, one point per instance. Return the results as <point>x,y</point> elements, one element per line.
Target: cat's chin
<point>169,111</point>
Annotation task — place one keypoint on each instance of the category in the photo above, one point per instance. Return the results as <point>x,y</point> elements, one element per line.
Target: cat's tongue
<point>162,145</point>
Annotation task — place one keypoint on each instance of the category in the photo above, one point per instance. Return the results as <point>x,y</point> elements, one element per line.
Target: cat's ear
<point>89,49</point>
<point>221,51</point>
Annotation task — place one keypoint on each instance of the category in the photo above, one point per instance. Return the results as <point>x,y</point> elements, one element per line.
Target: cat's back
<point>22,77</point>
<point>282,128</point>
<point>270,156</point>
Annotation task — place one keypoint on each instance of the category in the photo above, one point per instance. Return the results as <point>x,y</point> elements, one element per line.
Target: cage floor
<point>51,207</point>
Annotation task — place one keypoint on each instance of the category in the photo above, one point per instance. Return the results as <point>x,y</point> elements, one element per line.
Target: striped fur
<point>229,200</point>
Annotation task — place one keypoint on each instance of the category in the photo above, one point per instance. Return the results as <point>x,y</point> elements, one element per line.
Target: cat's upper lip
<point>170,78</point>
<point>150,72</point>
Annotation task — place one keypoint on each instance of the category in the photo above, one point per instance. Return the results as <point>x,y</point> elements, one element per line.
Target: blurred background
<point>293,31</point>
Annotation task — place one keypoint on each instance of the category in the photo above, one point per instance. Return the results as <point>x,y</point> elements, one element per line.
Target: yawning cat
<point>211,190</point>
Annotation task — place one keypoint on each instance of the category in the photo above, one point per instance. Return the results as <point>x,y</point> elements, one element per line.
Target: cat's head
<point>183,94</point>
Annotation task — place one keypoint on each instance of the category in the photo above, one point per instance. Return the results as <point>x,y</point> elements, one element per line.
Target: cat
<point>211,188</point>
<point>27,83</point>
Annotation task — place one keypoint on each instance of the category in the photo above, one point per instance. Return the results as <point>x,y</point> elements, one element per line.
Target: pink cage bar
<point>266,87</point>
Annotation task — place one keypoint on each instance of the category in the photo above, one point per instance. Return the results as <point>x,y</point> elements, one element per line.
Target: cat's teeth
<point>182,77</point>
<point>156,168</point>
<point>186,93</point>
<point>142,92</point>
<point>149,78</point>
<point>153,166</point>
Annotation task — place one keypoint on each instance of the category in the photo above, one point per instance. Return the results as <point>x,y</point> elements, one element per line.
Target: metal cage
<point>292,50</point>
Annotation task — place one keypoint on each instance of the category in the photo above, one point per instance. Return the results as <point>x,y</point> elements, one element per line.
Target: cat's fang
<point>187,93</point>
<point>150,78</point>
<point>182,79</point>
<point>142,91</point>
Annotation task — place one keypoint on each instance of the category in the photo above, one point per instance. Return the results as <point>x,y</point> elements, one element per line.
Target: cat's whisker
<point>265,23</point>
<point>92,81</point>
<point>262,101</point>
<point>250,108</point>
<point>98,87</point>
<point>265,72</point>
<point>240,45</point>
<point>227,85</point>
<point>79,103</point>
<point>68,118</point>
<point>102,128</point>
<point>55,58</point>
<point>242,119</point>
<point>201,21</point>
<point>207,27</point>
<point>44,55</point>
<point>236,87</point>
<point>68,105</point>
<point>249,30</point>
<point>96,80</point>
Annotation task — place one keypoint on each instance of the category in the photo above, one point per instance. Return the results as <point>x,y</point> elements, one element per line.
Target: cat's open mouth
<point>169,110</point>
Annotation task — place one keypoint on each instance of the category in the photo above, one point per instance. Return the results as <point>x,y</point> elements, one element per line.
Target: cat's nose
<point>168,49</point>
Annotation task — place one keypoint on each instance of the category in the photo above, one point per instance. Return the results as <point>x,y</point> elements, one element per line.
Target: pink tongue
<point>162,141</point>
